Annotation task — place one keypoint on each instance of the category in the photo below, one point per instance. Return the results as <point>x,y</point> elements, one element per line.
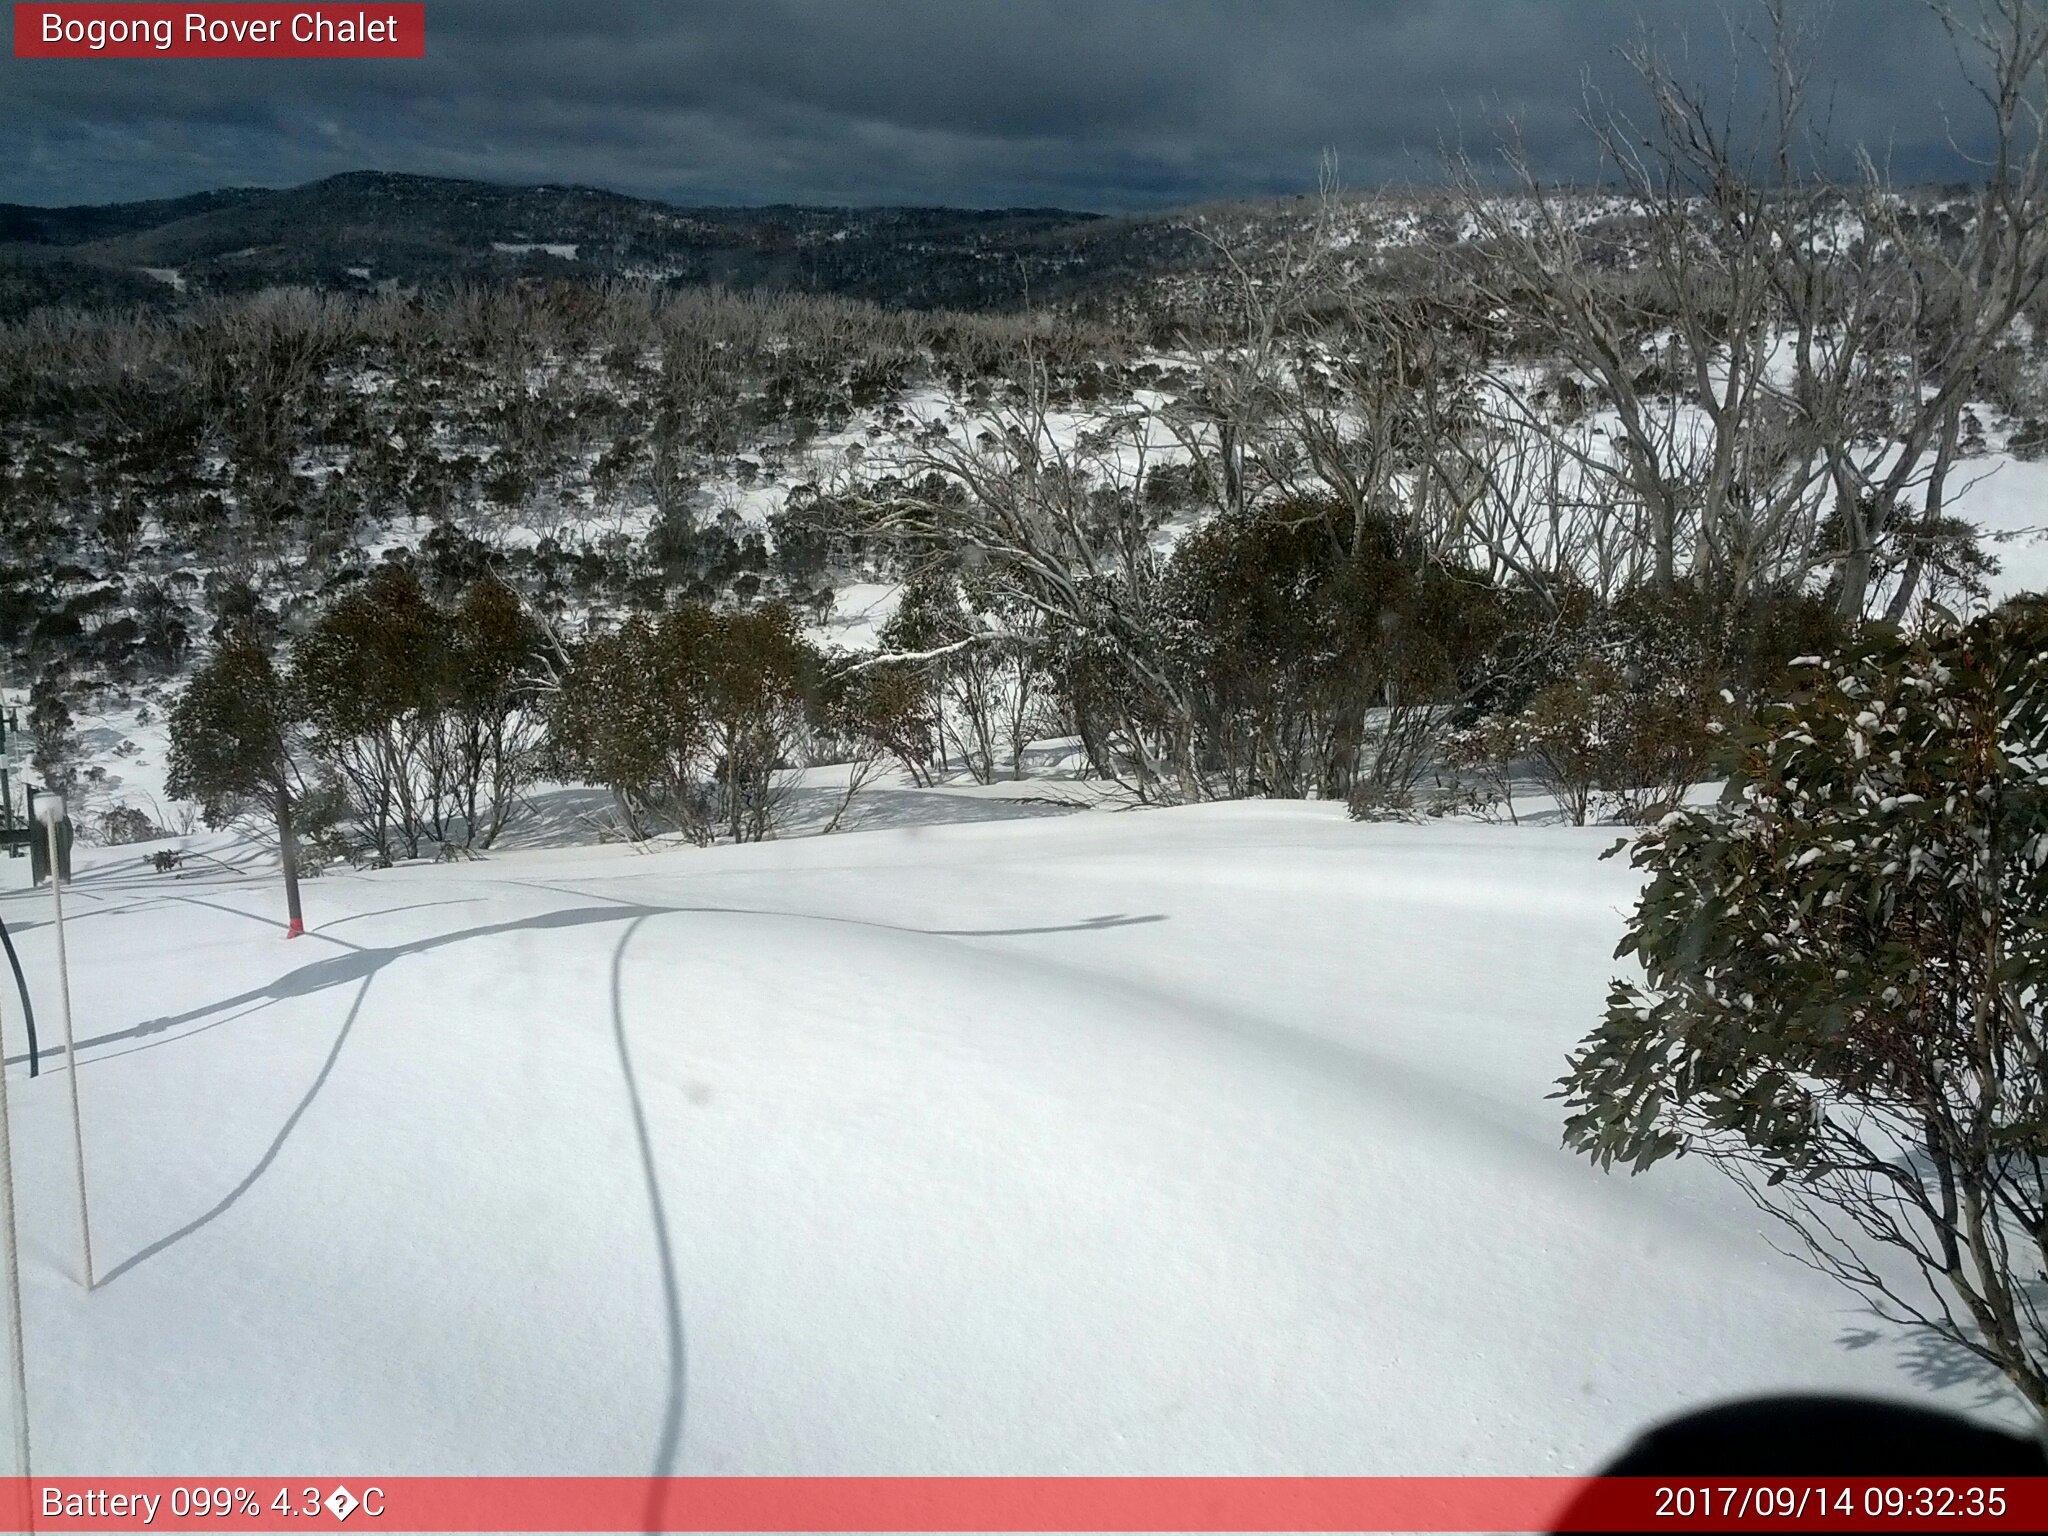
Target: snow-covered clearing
<point>528,247</point>
<point>2007,500</point>
<point>1204,1141</point>
<point>859,611</point>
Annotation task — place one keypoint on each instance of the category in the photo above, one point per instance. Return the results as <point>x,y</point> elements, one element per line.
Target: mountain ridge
<point>359,230</point>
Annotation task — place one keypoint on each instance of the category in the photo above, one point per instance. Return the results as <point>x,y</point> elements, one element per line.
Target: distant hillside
<point>364,230</point>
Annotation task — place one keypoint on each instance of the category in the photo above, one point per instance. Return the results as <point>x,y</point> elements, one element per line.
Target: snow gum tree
<point>1845,993</point>
<point>49,720</point>
<point>481,742</point>
<point>686,717</point>
<point>424,711</point>
<point>629,715</point>
<point>1315,667</point>
<point>231,748</point>
<point>758,676</point>
<point>981,671</point>
<point>368,672</point>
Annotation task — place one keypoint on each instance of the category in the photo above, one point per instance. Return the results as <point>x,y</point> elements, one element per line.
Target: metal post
<point>50,808</point>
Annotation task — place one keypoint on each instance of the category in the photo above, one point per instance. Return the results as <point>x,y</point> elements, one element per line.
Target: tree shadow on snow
<point>359,963</point>
<point>1105,921</point>
<point>362,962</point>
<point>358,966</point>
<point>668,1441</point>
<point>361,967</point>
<point>1940,1364</point>
<point>262,1163</point>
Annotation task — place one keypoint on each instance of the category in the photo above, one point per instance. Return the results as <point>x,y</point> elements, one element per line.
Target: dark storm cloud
<point>1104,104</point>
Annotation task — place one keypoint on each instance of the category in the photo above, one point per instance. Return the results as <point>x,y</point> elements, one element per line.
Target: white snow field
<point>1196,1141</point>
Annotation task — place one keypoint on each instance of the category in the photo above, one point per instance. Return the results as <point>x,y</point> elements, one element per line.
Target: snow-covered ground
<point>2007,500</point>
<point>1210,1140</point>
<point>859,611</point>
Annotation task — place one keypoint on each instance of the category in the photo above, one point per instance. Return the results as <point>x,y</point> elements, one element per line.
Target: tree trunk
<point>1666,536</point>
<point>288,850</point>
<point>1937,493</point>
<point>1855,569</point>
<point>1853,565</point>
<point>1233,465</point>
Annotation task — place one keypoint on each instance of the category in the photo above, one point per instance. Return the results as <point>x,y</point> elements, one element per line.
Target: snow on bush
<point>1846,963</point>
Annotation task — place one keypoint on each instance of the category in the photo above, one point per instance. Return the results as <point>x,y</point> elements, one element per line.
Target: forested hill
<point>365,230</point>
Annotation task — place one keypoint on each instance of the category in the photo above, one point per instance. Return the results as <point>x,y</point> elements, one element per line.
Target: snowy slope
<point>2007,500</point>
<point>1205,1141</point>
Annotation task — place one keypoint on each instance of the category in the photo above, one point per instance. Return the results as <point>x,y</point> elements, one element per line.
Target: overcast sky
<point>1104,104</point>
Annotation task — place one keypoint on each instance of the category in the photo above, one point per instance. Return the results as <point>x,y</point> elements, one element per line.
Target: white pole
<point>16,1355</point>
<point>51,809</point>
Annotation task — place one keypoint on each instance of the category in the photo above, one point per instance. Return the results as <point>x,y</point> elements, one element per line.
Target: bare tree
<point>1891,341</point>
<point>1662,296</point>
<point>1046,515</point>
<point>1785,364</point>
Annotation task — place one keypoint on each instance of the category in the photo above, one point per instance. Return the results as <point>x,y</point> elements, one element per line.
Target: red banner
<point>215,31</point>
<point>919,1504</point>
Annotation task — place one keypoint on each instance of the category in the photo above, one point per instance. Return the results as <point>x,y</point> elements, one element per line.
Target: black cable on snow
<point>28,1012</point>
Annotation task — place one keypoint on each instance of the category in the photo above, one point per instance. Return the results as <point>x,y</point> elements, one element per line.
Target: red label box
<point>1035,1504</point>
<point>213,31</point>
